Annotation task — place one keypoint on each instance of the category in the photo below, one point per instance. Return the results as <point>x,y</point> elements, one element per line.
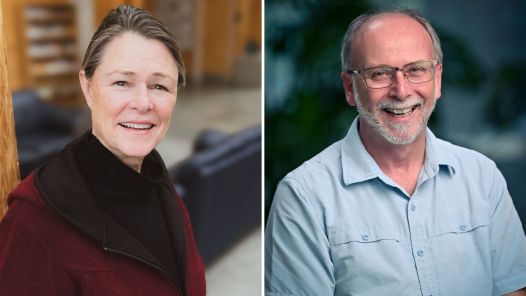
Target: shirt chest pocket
<point>363,243</point>
<point>363,235</point>
<point>458,222</point>
<point>462,237</point>
<point>362,256</point>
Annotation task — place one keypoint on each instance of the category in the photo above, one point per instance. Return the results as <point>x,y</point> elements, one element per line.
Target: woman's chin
<point>135,150</point>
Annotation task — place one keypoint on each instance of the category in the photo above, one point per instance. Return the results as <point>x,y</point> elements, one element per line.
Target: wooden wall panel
<point>247,22</point>
<point>254,31</point>
<point>218,37</point>
<point>241,22</point>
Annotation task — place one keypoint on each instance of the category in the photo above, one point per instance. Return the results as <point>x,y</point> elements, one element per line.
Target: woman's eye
<point>160,87</point>
<point>120,83</point>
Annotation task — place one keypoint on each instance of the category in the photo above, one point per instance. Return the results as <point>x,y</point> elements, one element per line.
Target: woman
<point>102,217</point>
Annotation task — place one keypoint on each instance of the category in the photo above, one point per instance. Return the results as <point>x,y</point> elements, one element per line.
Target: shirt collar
<point>439,155</point>
<point>358,165</point>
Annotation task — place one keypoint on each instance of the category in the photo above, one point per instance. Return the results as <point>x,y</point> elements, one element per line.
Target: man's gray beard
<point>394,133</point>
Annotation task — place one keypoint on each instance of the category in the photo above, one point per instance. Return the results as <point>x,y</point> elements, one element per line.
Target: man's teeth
<point>136,125</point>
<point>399,111</point>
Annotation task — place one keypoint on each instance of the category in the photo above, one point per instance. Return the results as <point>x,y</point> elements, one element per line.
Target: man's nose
<point>141,100</point>
<point>400,87</point>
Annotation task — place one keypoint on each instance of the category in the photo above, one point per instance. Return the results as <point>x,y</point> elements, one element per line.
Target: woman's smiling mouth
<point>137,126</point>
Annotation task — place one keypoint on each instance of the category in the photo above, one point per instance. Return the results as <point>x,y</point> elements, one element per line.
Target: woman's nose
<point>141,100</point>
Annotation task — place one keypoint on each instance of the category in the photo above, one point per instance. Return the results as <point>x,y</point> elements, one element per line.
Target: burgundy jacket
<point>42,253</point>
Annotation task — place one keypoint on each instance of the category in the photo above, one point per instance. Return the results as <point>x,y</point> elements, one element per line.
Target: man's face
<point>398,113</point>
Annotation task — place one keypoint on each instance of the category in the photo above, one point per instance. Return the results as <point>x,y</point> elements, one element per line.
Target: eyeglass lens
<point>417,72</point>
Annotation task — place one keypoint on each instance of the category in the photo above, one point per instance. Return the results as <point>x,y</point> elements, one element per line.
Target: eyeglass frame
<point>396,69</point>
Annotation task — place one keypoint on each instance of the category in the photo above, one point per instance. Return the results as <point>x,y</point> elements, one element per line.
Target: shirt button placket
<point>419,245</point>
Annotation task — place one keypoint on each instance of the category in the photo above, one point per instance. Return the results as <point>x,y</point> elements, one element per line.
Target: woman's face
<point>131,96</point>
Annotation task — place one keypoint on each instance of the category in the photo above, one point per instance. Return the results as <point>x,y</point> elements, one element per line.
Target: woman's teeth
<point>136,125</point>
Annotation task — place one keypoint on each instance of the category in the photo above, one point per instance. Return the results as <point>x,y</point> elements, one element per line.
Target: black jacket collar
<point>64,189</point>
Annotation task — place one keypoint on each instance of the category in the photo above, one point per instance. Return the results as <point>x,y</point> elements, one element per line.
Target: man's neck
<point>400,162</point>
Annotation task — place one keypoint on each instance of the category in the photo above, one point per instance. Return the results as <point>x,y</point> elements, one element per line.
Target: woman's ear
<point>85,84</point>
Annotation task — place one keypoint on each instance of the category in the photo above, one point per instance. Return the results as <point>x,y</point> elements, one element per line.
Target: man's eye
<point>120,83</point>
<point>416,70</point>
<point>380,74</point>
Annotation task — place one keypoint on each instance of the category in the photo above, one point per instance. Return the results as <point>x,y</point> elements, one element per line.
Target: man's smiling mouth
<point>400,111</point>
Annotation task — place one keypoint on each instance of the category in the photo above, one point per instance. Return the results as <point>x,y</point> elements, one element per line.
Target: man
<point>391,209</point>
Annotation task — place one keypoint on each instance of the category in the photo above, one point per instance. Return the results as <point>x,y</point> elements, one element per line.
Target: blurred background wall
<point>483,103</point>
<point>46,40</point>
<point>215,126</point>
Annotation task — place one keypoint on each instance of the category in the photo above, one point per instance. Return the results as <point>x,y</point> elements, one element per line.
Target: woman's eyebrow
<point>122,72</point>
<point>163,75</point>
<point>131,73</point>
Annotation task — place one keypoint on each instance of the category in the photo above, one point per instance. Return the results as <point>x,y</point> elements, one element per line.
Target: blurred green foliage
<point>506,102</point>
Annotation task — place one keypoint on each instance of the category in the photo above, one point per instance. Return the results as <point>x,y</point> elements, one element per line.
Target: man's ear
<point>348,87</point>
<point>438,81</point>
<point>85,85</point>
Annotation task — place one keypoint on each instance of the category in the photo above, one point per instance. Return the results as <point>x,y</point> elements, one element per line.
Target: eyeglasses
<point>383,76</point>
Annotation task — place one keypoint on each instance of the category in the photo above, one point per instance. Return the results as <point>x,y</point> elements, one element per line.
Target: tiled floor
<point>238,272</point>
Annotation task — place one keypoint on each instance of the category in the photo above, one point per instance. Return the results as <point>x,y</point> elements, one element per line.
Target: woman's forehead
<point>132,54</point>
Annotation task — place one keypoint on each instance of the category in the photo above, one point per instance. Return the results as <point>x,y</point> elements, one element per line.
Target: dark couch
<point>221,187</point>
<point>41,129</point>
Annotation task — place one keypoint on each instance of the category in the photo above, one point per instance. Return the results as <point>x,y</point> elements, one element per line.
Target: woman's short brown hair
<point>127,18</point>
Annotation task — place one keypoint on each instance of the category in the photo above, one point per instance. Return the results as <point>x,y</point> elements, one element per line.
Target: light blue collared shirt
<point>339,226</point>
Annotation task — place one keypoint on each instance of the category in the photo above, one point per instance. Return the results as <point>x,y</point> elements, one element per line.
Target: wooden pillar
<point>9,172</point>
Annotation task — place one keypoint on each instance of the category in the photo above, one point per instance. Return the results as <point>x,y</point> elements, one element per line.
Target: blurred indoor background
<point>213,147</point>
<point>483,103</point>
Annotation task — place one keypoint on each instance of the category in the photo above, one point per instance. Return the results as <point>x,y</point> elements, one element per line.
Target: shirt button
<point>420,253</point>
<point>462,227</point>
<point>365,237</point>
<point>413,208</point>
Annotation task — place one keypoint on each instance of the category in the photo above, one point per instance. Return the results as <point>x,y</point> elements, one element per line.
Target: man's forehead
<point>389,38</point>
<point>390,23</point>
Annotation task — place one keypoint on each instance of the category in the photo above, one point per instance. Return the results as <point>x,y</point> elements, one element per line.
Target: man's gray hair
<point>358,22</point>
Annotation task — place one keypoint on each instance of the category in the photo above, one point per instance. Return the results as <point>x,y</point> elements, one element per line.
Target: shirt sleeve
<point>297,255</point>
<point>508,242</point>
